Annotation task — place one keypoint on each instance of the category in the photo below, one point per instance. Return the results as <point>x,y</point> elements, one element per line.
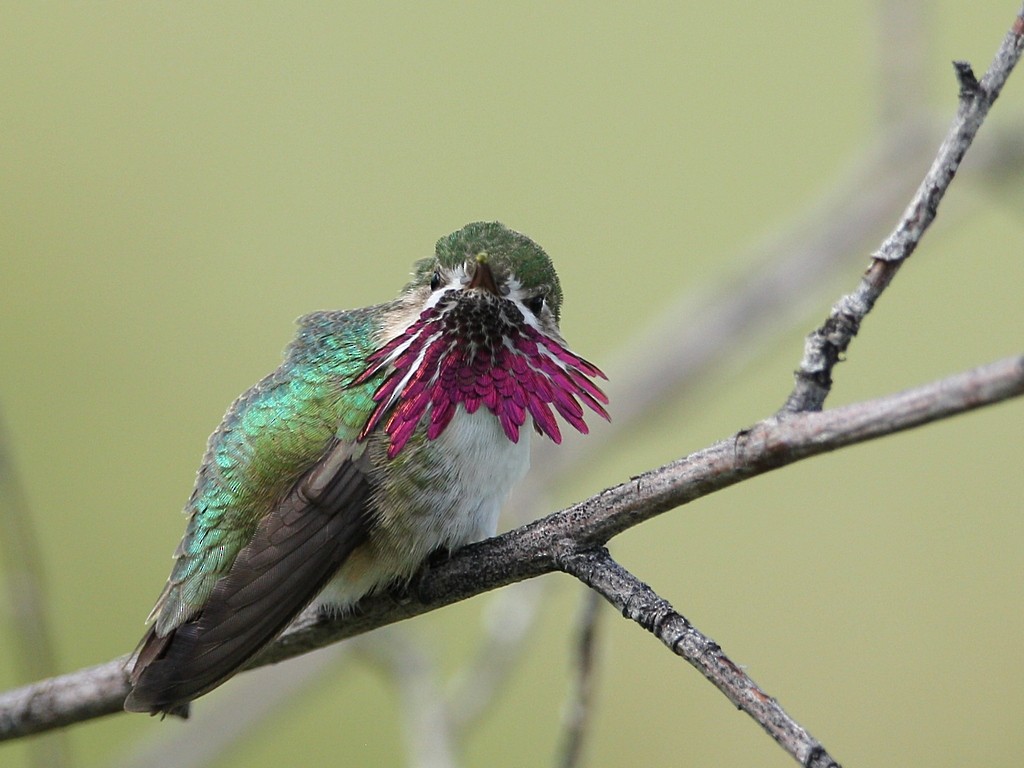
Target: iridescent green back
<point>269,437</point>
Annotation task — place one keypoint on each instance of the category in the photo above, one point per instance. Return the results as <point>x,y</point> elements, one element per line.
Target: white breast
<point>489,465</point>
<point>480,465</point>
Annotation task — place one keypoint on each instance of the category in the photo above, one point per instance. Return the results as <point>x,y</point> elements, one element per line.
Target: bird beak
<point>483,277</point>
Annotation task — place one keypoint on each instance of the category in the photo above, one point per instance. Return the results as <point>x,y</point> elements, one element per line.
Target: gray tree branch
<point>541,547</point>
<point>641,604</point>
<point>826,345</point>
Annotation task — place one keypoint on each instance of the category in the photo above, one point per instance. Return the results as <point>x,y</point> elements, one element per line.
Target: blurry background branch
<point>25,586</point>
<point>580,705</point>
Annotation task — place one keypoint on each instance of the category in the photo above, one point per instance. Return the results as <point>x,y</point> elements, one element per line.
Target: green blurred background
<point>178,182</point>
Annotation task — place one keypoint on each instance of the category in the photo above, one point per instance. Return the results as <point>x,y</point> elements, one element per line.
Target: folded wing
<point>293,553</point>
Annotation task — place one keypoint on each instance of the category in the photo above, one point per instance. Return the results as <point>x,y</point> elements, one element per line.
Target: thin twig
<point>641,604</point>
<point>535,549</point>
<point>826,345</point>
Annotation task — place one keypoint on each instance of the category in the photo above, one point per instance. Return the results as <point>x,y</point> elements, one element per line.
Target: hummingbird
<point>388,433</point>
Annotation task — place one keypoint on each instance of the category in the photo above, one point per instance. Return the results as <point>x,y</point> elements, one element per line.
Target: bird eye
<point>535,303</point>
<point>435,281</point>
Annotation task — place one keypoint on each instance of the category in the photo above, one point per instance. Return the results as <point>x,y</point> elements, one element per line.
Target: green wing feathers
<point>269,438</point>
<point>294,551</point>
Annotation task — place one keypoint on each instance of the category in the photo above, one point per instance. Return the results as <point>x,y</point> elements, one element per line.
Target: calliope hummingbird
<point>388,433</point>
